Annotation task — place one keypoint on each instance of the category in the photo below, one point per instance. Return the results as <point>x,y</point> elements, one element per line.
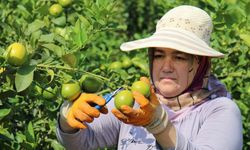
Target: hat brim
<point>173,38</point>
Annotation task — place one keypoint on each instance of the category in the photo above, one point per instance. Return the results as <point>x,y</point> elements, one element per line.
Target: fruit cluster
<point>127,62</point>
<point>125,97</point>
<point>87,83</point>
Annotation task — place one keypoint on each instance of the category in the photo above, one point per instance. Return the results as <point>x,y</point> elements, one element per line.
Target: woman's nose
<point>167,65</point>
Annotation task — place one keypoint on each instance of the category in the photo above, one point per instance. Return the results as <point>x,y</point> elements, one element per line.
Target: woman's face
<point>173,71</point>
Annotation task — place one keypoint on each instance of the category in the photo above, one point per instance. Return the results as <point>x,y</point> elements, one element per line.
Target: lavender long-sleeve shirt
<point>214,125</point>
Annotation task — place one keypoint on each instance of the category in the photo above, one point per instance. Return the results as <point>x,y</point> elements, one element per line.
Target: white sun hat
<point>183,28</point>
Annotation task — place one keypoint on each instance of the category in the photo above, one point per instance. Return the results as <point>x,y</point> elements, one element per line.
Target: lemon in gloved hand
<point>141,87</point>
<point>124,97</point>
<point>143,115</point>
<point>150,113</point>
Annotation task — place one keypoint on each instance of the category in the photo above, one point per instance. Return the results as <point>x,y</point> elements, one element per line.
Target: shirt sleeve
<point>221,129</point>
<point>102,132</point>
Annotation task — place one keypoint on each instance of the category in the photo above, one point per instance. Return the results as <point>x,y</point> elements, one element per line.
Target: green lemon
<point>55,9</point>
<point>71,90</point>
<point>124,97</point>
<point>126,62</point>
<point>115,65</point>
<point>91,84</point>
<point>142,87</point>
<point>70,59</point>
<point>65,3</point>
<point>102,67</point>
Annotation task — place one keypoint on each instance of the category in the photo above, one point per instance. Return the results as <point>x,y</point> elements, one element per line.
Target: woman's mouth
<point>167,78</point>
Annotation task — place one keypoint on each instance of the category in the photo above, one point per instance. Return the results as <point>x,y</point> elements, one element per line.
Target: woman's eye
<point>180,58</point>
<point>158,56</point>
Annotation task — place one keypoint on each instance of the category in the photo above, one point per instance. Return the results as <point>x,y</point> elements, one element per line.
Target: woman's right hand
<point>82,110</point>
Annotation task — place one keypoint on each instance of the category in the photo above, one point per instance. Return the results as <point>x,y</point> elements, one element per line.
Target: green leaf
<point>234,15</point>
<point>20,137</point>
<point>84,21</point>
<point>5,134</point>
<point>23,10</point>
<point>43,10</point>
<point>55,144</point>
<point>244,108</point>
<point>28,146</point>
<point>80,34</point>
<point>55,49</point>
<point>4,112</point>
<point>60,21</point>
<point>231,1</point>
<point>104,3</point>
<point>140,64</point>
<point>30,136</point>
<point>24,77</point>
<point>34,26</point>
<point>212,3</point>
<point>47,38</point>
<point>247,9</point>
<point>51,74</point>
<point>35,37</point>
<point>245,38</point>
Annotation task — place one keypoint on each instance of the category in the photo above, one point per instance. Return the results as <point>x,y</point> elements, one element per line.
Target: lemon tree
<point>45,45</point>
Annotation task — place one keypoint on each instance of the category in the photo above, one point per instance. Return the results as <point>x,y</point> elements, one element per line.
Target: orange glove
<point>143,115</point>
<point>82,110</point>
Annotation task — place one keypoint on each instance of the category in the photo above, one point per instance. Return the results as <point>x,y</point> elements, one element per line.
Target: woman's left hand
<point>144,114</point>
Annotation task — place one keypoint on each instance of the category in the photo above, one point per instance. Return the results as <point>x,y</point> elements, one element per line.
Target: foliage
<point>82,40</point>
<point>85,39</point>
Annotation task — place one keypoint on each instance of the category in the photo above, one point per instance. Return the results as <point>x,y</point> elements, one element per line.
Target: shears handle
<point>107,98</point>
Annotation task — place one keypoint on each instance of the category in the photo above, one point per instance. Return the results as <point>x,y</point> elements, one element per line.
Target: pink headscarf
<point>197,83</point>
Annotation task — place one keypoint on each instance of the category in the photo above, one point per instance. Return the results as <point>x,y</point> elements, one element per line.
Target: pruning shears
<point>109,96</point>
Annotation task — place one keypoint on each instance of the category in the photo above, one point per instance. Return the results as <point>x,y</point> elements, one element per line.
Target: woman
<point>188,107</point>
